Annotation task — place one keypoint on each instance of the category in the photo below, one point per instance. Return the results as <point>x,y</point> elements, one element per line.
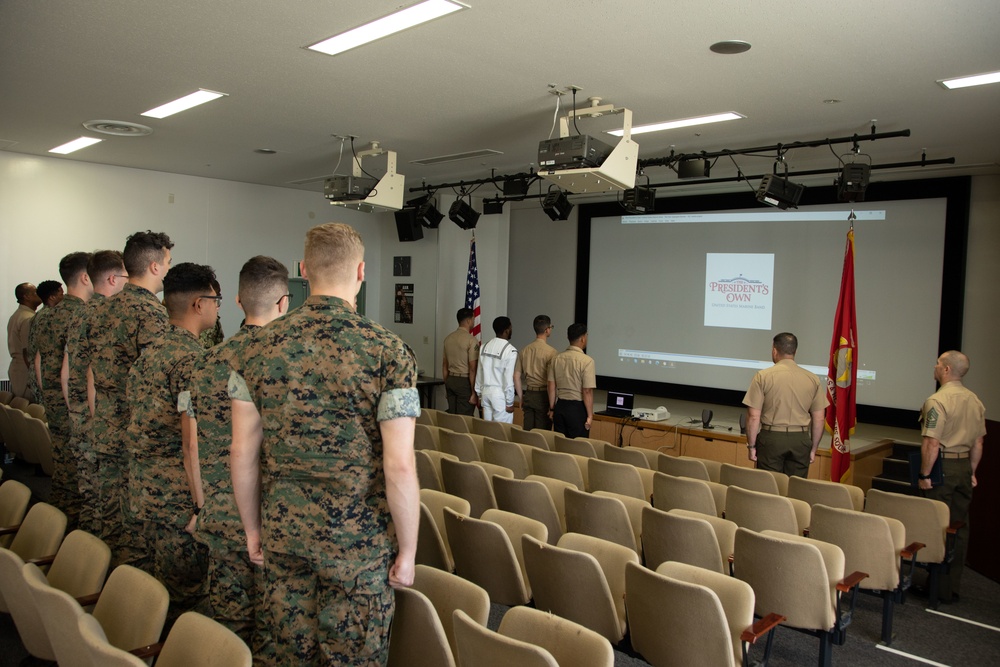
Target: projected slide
<point>695,298</point>
<point>738,290</point>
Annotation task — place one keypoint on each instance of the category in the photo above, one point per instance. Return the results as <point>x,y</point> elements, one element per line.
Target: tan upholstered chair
<point>508,454</point>
<point>578,446</point>
<point>426,436</point>
<point>683,466</point>
<point>6,396</point>
<point>533,438</point>
<point>633,456</point>
<point>429,468</point>
<point>432,540</point>
<point>432,415</point>
<point>688,537</point>
<point>491,429</point>
<point>569,643</point>
<point>558,465</point>
<point>926,521</point>
<point>20,403</point>
<point>40,441</point>
<point>59,613</point>
<point>872,544</point>
<point>22,607</point>
<point>417,637</point>
<point>462,445</point>
<point>14,497</point>
<point>425,418</point>
<point>530,498</point>
<point>599,516</point>
<point>825,492</point>
<point>517,526</point>
<point>448,593</point>
<point>759,511</point>
<point>750,478</point>
<point>571,580</point>
<point>456,423</point>
<point>557,491</point>
<point>670,492</point>
<point>478,646</point>
<point>685,615</point>
<point>634,507</point>
<point>132,608</point>
<point>800,578</point>
<point>620,478</point>
<point>484,555</point>
<point>469,481</point>
<point>100,650</point>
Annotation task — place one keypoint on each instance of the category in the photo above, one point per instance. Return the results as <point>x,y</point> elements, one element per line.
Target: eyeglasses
<point>217,299</point>
<point>284,296</point>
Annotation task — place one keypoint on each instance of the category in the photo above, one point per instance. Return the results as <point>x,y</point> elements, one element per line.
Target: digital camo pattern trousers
<point>236,597</point>
<point>316,619</point>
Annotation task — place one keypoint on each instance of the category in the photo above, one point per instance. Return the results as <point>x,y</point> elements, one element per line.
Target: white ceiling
<point>479,80</point>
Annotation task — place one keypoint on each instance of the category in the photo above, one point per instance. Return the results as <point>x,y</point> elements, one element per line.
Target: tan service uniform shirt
<point>534,362</point>
<point>460,347</point>
<point>572,371</point>
<point>953,416</point>
<point>18,327</point>
<point>786,394</point>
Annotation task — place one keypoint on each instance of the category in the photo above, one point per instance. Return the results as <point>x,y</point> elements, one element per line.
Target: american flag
<point>472,291</point>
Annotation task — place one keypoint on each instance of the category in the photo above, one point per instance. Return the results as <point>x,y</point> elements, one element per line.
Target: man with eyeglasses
<point>122,327</point>
<point>235,585</point>
<point>106,271</point>
<point>159,495</point>
<point>534,362</point>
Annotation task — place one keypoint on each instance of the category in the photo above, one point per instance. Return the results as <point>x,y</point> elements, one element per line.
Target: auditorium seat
<point>598,516</point>
<point>687,537</point>
<point>687,493</point>
<point>620,478</point>
<point>429,467</point>
<point>484,555</point>
<point>450,593</point>
<point>463,445</point>
<point>825,492</point>
<point>469,481</point>
<point>633,456</point>
<point>530,498</point>
<point>558,465</point>
<point>578,446</point>
<point>456,423</point>
<point>759,511</point>
<point>535,438</point>
<point>508,454</point>
<point>750,478</point>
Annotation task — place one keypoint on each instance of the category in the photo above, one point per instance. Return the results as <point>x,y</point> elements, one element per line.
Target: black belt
<point>954,455</point>
<point>784,429</point>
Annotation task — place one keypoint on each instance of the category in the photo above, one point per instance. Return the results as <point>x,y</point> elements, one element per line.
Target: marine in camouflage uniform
<point>326,383</point>
<point>81,447</point>
<point>158,496</point>
<point>49,333</point>
<point>122,327</point>
<point>235,585</point>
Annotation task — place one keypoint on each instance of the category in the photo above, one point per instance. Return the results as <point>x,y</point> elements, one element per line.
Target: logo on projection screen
<point>739,290</point>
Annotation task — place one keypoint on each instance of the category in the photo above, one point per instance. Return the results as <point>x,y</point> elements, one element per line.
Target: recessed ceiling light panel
<point>683,122</point>
<point>388,25</point>
<point>75,145</point>
<point>967,81</point>
<point>455,157</point>
<point>184,103</point>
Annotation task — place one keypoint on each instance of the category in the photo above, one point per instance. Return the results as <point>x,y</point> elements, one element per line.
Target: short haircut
<point>786,344</point>
<point>576,331</point>
<point>103,263</point>
<point>501,324</point>
<point>184,281</point>
<point>47,288</point>
<point>957,361</point>
<point>21,291</point>
<point>541,323</point>
<point>333,252</point>
<point>72,266</point>
<point>142,249</point>
<point>263,281</point>
<point>464,314</point>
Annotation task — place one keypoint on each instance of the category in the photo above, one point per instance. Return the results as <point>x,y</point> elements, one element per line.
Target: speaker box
<point>407,227</point>
<point>706,418</point>
<point>743,423</point>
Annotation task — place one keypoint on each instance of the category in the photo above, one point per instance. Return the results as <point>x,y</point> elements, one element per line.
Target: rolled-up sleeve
<point>397,403</point>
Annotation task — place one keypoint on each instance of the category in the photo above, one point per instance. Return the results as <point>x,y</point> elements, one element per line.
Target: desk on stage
<point>425,387</point>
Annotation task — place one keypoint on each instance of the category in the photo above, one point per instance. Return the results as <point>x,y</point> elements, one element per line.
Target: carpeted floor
<point>962,633</point>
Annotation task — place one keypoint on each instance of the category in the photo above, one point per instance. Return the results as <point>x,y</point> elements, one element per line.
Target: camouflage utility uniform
<point>322,378</point>
<point>122,326</point>
<point>80,447</point>
<point>48,338</point>
<point>234,583</point>
<point>158,496</point>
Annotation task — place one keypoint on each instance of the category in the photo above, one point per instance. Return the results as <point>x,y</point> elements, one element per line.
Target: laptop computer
<point>619,404</point>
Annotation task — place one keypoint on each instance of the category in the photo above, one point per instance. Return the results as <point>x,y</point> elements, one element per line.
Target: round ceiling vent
<point>118,128</point>
<point>730,47</point>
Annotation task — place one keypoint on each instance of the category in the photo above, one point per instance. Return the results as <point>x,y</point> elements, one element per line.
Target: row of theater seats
<point>48,584</point>
<point>24,431</point>
<point>494,523</point>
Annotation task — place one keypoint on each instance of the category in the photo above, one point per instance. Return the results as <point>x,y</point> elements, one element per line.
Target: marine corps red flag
<point>841,383</point>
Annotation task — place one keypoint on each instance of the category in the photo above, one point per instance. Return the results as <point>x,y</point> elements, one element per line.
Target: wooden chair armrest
<point>44,560</point>
<point>761,628</point>
<point>850,581</point>
<point>87,600</point>
<point>148,651</point>
<point>805,532</point>
<point>911,550</point>
<point>7,530</point>
<point>955,527</point>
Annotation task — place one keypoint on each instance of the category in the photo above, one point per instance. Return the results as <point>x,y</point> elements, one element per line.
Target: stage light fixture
<point>780,192</point>
<point>694,168</point>
<point>853,182</point>
<point>556,205</point>
<point>493,206</point>
<point>463,215</point>
<point>515,188</point>
<point>428,215</point>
